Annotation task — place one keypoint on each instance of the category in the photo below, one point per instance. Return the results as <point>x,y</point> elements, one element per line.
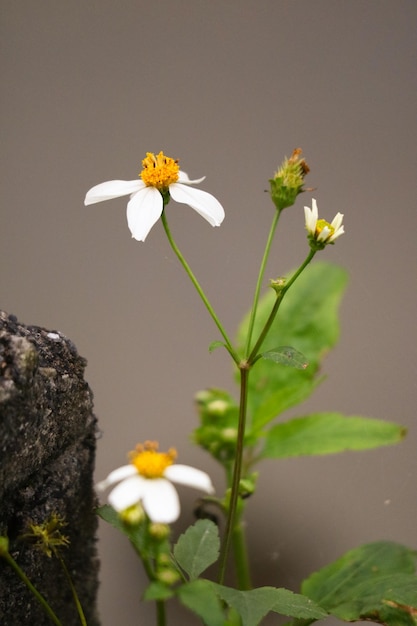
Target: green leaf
<point>375,581</point>
<point>285,355</point>
<point>216,344</point>
<point>135,533</point>
<point>328,433</point>
<point>281,400</point>
<point>307,320</point>
<point>253,605</point>
<point>198,548</point>
<point>157,591</point>
<point>200,597</point>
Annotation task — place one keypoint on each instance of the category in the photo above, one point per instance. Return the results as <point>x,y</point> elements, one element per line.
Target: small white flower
<point>148,480</point>
<point>160,178</point>
<point>320,230</point>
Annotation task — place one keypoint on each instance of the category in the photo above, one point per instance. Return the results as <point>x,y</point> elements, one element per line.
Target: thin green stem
<point>160,613</point>
<point>160,604</point>
<point>199,289</point>
<point>73,590</point>
<point>241,557</point>
<point>32,588</point>
<point>280,296</point>
<point>260,279</point>
<point>237,470</point>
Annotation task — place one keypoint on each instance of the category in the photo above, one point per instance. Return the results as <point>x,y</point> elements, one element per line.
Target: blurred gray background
<point>229,88</point>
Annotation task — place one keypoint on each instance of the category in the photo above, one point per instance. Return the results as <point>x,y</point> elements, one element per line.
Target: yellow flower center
<point>159,171</point>
<point>149,462</point>
<point>321,224</point>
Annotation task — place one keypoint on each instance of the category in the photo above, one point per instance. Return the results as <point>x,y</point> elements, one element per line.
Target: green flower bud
<point>159,531</point>
<point>133,515</point>
<point>168,576</point>
<point>278,284</point>
<point>287,182</point>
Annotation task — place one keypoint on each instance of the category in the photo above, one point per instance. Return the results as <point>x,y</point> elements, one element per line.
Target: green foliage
<point>135,533</point>
<point>307,321</point>
<point>285,355</point>
<point>200,597</point>
<point>376,582</point>
<point>328,433</point>
<point>197,548</point>
<point>254,604</point>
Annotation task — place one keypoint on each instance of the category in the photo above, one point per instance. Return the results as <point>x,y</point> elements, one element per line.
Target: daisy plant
<point>277,356</point>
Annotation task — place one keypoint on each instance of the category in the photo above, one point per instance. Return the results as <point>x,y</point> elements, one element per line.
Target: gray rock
<point>47,452</point>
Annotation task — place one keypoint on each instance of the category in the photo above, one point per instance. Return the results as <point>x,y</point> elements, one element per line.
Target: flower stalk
<point>199,290</point>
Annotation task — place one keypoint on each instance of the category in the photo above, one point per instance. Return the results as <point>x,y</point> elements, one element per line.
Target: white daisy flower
<point>148,479</point>
<point>320,231</point>
<point>159,180</point>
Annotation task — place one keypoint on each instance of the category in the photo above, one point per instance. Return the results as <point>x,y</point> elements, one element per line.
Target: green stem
<point>199,289</point>
<point>160,613</point>
<point>73,590</point>
<point>32,588</point>
<point>160,604</point>
<point>280,296</point>
<point>237,470</point>
<point>260,279</point>
<point>241,557</point>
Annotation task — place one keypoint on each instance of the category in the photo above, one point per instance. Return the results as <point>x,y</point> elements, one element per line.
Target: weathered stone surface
<point>47,451</point>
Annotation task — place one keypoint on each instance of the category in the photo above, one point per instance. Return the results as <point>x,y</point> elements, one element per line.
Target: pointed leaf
<point>285,355</point>
<point>253,605</point>
<point>328,433</point>
<point>197,548</point>
<point>200,597</point>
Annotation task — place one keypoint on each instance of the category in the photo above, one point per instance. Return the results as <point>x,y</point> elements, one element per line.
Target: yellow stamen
<point>159,171</point>
<point>149,462</point>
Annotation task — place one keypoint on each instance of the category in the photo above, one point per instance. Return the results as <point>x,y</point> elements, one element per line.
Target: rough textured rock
<point>47,451</point>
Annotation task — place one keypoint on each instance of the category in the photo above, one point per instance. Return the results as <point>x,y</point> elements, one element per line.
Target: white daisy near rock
<point>148,480</point>
<point>159,180</point>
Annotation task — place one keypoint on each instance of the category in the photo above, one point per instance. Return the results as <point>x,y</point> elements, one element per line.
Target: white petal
<point>310,220</point>
<point>204,203</point>
<point>112,189</point>
<point>337,221</point>
<point>183,178</point>
<point>161,501</point>
<point>143,210</point>
<point>324,235</point>
<point>116,476</point>
<point>190,476</point>
<point>337,233</point>
<point>127,493</point>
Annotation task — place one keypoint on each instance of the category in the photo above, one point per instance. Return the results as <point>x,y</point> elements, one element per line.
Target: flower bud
<point>287,182</point>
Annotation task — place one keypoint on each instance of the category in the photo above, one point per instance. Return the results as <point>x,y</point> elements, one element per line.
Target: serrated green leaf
<point>307,320</point>
<point>197,548</point>
<point>329,433</point>
<point>286,355</point>
<point>375,581</point>
<point>254,604</point>
<point>200,597</point>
